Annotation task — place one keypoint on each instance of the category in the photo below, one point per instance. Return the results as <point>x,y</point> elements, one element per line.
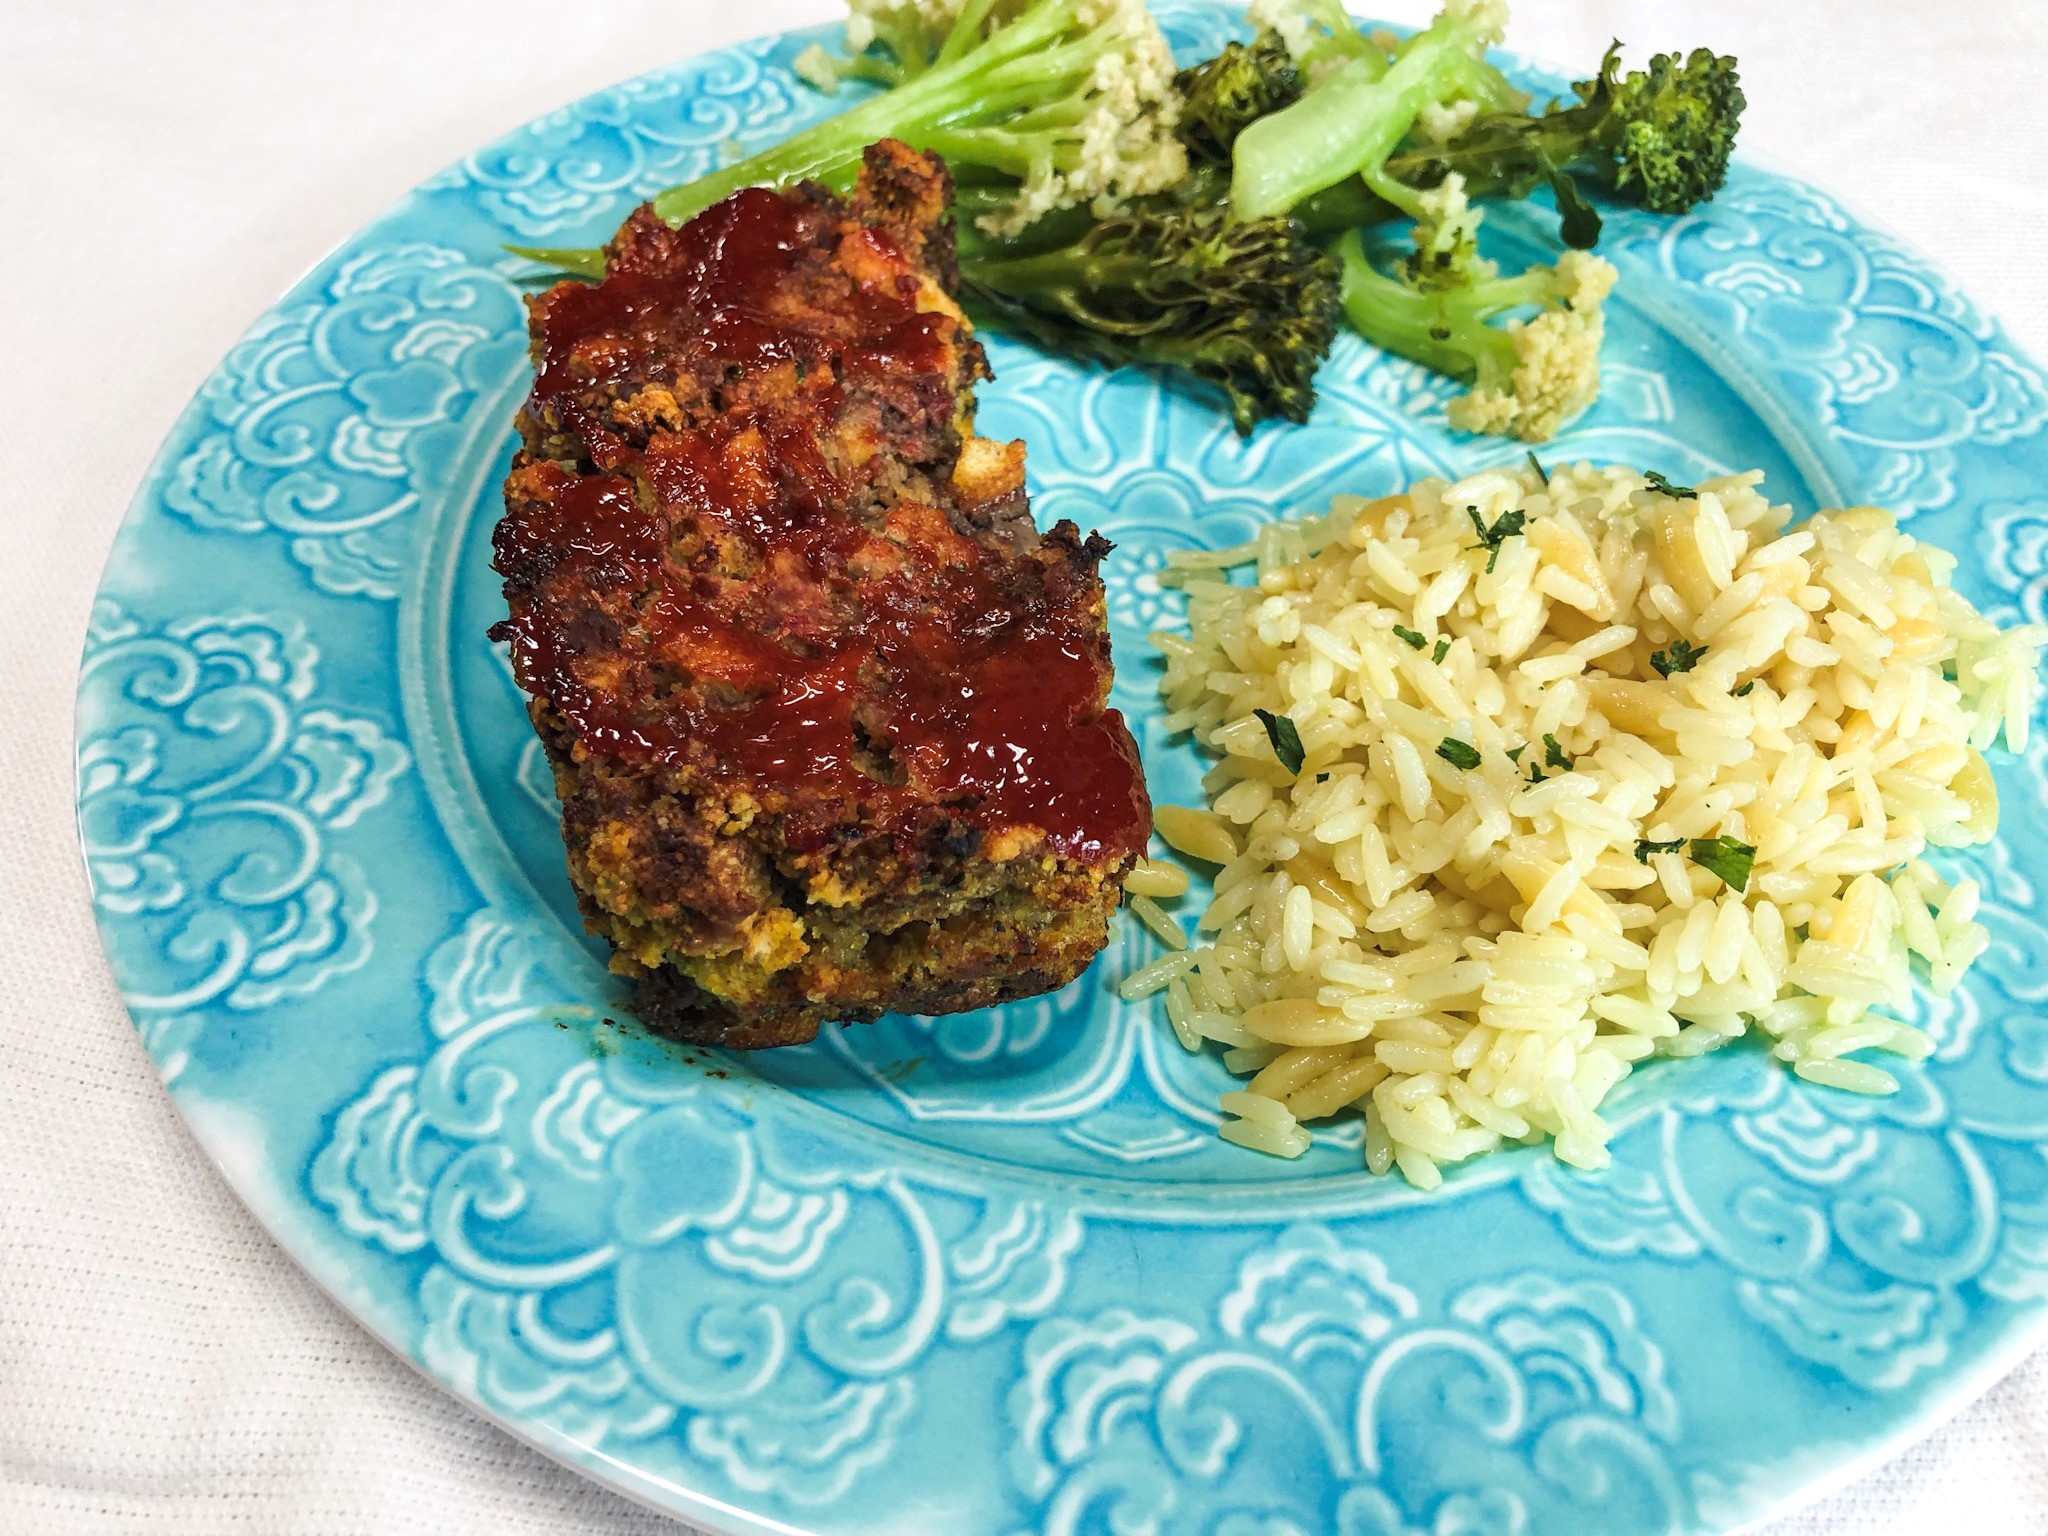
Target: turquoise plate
<point>996,1273</point>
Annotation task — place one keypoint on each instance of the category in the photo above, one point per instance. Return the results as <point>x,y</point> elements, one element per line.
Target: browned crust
<point>749,912</point>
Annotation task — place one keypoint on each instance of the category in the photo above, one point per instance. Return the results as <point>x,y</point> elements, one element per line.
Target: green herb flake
<point>1682,657</point>
<point>1553,754</point>
<point>1537,465</point>
<point>1515,753</point>
<point>1490,539</point>
<point>1659,483</point>
<point>1411,638</point>
<point>1285,738</point>
<point>1442,649</point>
<point>1725,857</point>
<point>1459,754</point>
<point>1743,691</point>
<point>1645,847</point>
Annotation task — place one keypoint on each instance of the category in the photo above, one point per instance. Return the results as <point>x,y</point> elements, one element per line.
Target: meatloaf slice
<point>827,715</point>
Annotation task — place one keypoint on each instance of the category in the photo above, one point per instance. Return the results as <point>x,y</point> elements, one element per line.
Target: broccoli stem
<point>1473,79</point>
<point>972,77</point>
<point>1060,226</point>
<point>1350,204</point>
<point>1067,276</point>
<point>1507,155</point>
<point>1348,124</point>
<point>1425,327</point>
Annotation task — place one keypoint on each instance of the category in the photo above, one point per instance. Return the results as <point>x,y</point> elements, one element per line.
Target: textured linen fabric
<point>167,170</point>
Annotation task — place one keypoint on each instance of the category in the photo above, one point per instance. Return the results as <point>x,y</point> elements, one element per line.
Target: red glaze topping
<point>723,275</point>
<point>725,597</point>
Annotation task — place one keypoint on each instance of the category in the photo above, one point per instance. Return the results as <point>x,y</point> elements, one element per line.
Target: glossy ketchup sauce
<point>720,596</point>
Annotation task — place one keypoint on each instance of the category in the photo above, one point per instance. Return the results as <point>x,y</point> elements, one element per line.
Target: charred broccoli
<point>1250,307</point>
<point>1221,97</point>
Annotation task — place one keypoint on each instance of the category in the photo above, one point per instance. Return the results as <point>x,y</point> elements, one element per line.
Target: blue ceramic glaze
<point>996,1273</point>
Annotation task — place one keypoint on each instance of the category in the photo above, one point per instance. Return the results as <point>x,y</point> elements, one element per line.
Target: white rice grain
<point>1484,898</point>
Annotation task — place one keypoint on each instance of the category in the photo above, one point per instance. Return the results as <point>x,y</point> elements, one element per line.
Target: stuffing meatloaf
<point>827,713</point>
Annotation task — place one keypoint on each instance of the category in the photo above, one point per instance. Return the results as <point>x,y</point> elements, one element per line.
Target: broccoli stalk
<point>1349,122</point>
<point>1659,138</point>
<point>1529,376</point>
<point>1071,99</point>
<point>1250,307</point>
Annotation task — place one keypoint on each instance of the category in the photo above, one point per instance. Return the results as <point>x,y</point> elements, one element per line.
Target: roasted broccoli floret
<point>1358,114</point>
<point>1659,137</point>
<point>1662,137</point>
<point>1073,100</point>
<point>1529,375</point>
<point>1222,96</point>
<point>1250,307</point>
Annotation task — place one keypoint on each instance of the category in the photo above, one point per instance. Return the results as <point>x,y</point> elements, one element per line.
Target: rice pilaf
<point>1525,779</point>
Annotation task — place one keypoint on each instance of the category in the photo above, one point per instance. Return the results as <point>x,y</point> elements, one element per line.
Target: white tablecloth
<point>165,171</point>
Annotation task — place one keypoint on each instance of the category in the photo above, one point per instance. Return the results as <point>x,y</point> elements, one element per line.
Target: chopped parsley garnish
<point>1722,856</point>
<point>1515,753</point>
<point>1743,691</point>
<point>1537,465</point>
<point>1411,638</point>
<point>1682,657</point>
<point>1442,649</point>
<point>1553,754</point>
<point>1659,483</point>
<point>1725,857</point>
<point>1285,738</point>
<point>1459,754</point>
<point>1490,539</point>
